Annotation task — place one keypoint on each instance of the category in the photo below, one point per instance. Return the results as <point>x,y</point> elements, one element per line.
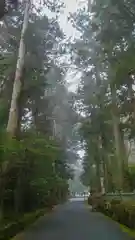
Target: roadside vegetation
<point>35,108</point>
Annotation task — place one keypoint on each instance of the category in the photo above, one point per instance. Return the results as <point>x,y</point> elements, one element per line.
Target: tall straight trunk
<point>132,97</point>
<point>98,176</point>
<point>124,152</point>
<point>104,151</point>
<point>14,116</point>
<point>2,190</point>
<point>117,141</point>
<point>19,193</point>
<point>89,5</point>
<point>102,138</point>
<point>98,166</point>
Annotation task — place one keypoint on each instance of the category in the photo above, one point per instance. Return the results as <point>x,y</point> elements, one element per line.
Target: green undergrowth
<point>120,212</point>
<point>11,229</point>
<point>125,229</point>
<point>130,232</point>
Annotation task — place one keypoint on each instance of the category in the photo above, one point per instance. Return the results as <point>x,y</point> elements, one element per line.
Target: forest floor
<point>74,221</point>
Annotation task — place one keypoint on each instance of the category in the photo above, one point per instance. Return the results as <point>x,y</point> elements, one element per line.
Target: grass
<point>124,228</point>
<point>130,232</point>
<point>36,216</point>
<point>12,228</point>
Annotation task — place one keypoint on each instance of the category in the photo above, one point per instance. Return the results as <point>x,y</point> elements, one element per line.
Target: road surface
<point>74,221</point>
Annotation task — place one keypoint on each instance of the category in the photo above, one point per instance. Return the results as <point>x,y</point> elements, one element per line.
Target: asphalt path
<point>74,221</point>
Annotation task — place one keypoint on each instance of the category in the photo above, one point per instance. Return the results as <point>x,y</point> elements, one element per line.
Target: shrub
<point>95,200</point>
<point>33,174</point>
<point>11,229</point>
<point>115,201</point>
<point>121,211</point>
<point>90,200</point>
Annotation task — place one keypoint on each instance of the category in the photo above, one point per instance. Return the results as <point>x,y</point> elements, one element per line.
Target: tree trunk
<point>124,152</point>
<point>2,190</point>
<point>18,193</point>
<point>117,142</point>
<point>98,174</point>
<point>2,8</point>
<point>89,5</point>
<point>14,118</point>
<point>131,97</point>
<point>102,138</point>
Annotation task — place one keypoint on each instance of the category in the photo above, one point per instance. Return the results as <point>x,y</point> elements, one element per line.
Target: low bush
<point>95,200</point>
<point>121,211</point>
<point>11,229</point>
<point>90,200</point>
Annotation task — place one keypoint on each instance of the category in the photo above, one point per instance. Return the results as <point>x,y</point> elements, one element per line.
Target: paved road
<point>74,221</point>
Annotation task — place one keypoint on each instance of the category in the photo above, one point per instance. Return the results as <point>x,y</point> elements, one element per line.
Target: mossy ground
<point>128,230</point>
<point>9,231</point>
<point>125,229</point>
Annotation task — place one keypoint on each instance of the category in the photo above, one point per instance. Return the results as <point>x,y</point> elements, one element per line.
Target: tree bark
<point>124,152</point>
<point>14,116</point>
<point>117,142</point>
<point>89,5</point>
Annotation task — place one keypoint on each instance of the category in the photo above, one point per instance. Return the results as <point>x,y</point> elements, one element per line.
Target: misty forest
<point>67,103</point>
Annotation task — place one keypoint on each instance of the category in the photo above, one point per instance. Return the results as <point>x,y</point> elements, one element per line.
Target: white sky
<point>70,6</point>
